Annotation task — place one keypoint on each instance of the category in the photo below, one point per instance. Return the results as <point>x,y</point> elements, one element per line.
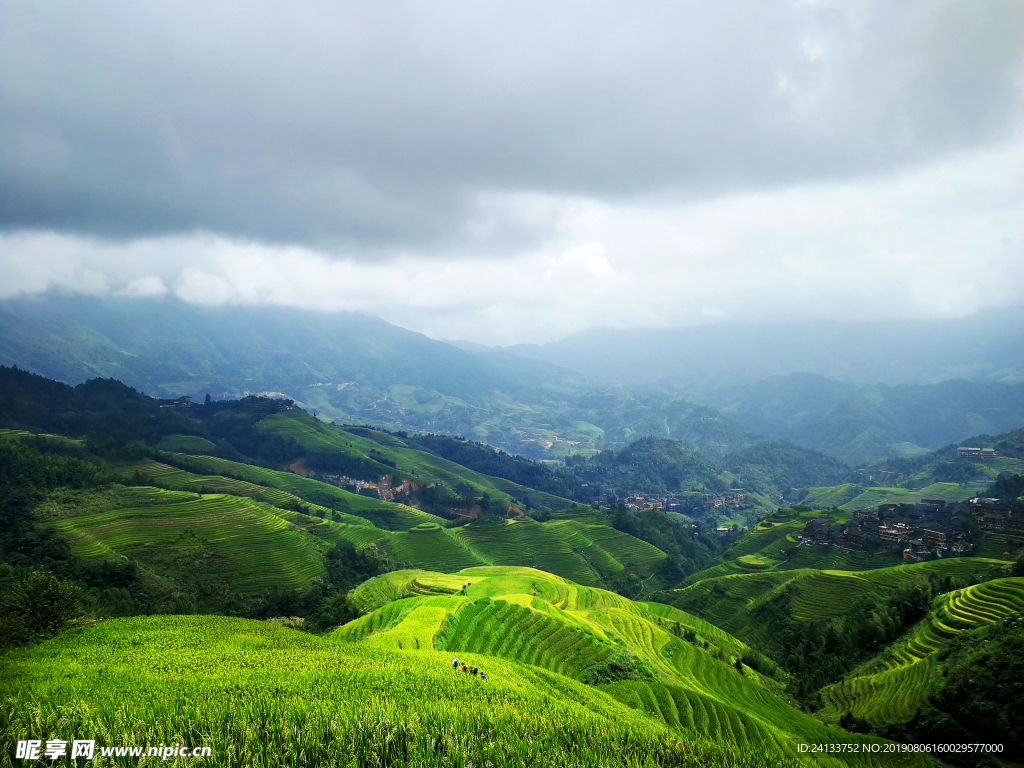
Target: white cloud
<point>941,240</point>
<point>141,287</point>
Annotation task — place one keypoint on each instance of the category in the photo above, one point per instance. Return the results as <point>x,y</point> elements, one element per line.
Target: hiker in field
<point>483,676</point>
<point>455,663</point>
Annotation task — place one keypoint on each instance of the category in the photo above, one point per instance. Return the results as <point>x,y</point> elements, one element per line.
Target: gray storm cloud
<point>376,128</point>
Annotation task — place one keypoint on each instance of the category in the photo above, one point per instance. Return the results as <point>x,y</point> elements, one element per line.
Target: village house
<point>977,453</point>
<point>732,498</point>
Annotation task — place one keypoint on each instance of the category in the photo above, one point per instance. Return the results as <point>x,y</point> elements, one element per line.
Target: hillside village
<point>931,528</point>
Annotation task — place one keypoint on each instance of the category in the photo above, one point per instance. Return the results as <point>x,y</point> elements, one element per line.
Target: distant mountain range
<point>987,347</point>
<point>856,392</point>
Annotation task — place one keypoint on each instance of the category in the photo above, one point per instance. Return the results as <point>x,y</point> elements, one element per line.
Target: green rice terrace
<point>892,687</point>
<point>378,453</point>
<point>669,665</point>
<point>381,691</point>
<point>774,544</point>
<point>730,601</point>
<point>733,651</point>
<point>262,537</point>
<point>389,514</point>
<point>850,497</point>
<point>259,694</point>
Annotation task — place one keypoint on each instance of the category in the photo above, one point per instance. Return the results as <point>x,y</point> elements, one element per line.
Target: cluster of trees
<point>97,407</point>
<point>817,653</point>
<point>495,462</point>
<point>774,466</point>
<point>688,548</point>
<point>42,585</point>
<point>650,464</point>
<point>1009,488</point>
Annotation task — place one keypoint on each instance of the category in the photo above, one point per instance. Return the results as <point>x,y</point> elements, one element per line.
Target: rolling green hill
<point>730,601</point>
<point>773,544</point>
<point>635,652</point>
<point>262,538</point>
<point>332,449</point>
<point>213,537</point>
<point>278,488</point>
<point>894,686</point>
<point>233,531</point>
<point>258,694</point>
<point>946,474</point>
<point>858,424</point>
<point>774,467</point>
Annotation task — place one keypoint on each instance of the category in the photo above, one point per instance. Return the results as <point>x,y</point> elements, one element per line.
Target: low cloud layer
<point>943,241</point>
<point>517,172</point>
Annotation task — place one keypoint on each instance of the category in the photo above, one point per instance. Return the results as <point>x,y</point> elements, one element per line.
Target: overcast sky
<point>508,172</point>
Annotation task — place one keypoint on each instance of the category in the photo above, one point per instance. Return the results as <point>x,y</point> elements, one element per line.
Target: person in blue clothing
<point>455,663</point>
<point>483,676</point>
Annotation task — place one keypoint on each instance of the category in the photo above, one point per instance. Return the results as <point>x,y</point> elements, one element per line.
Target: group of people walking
<point>471,670</point>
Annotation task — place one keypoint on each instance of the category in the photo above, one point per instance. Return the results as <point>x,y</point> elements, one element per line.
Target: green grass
<point>545,622</point>
<point>893,686</point>
<point>263,695</point>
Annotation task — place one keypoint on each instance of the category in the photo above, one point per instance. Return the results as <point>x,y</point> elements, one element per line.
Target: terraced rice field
<point>829,558</point>
<point>755,562</point>
<point>432,547</point>
<point>543,621</point>
<point>891,688</point>
<point>727,601</point>
<point>826,497</point>
<point>824,594</point>
<point>270,696</point>
<point>872,497</point>
<point>727,568</point>
<point>414,464</point>
<point>20,433</point>
<point>179,479</point>
<point>519,633</point>
<point>766,535</point>
<point>240,540</point>
<point>1000,546</point>
<point>185,444</point>
<point>310,490</point>
<point>549,546</point>
<point>692,710</point>
<point>775,544</point>
<point>570,548</point>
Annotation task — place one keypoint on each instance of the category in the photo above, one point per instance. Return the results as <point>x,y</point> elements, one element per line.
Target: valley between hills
<point>292,587</point>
